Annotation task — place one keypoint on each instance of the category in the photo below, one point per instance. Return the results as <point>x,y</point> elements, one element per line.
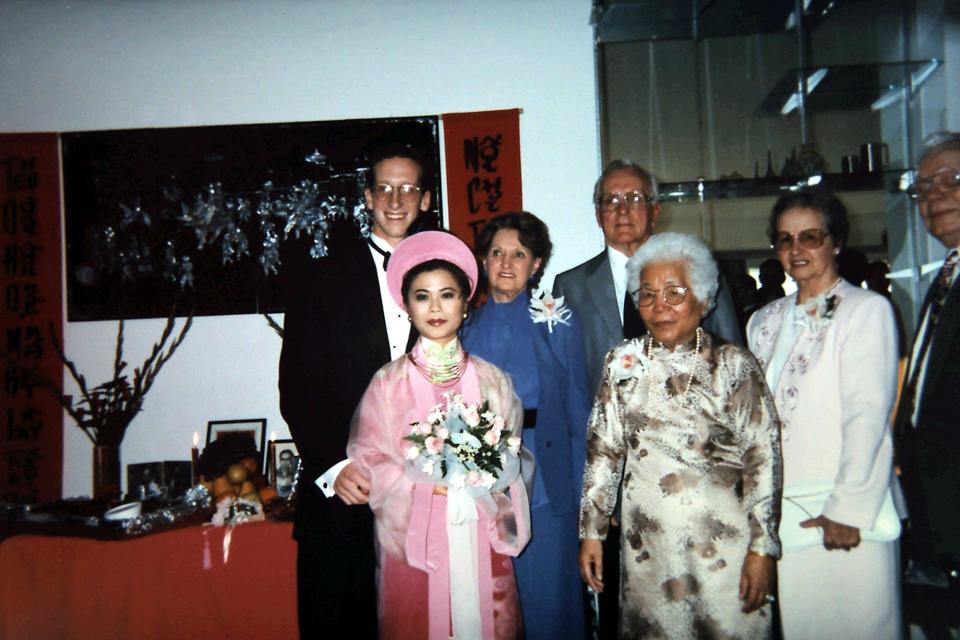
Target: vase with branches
<point>105,411</point>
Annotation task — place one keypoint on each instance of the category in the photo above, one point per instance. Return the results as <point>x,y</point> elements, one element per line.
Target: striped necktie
<point>938,294</point>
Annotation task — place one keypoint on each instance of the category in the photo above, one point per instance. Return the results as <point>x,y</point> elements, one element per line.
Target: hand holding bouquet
<point>463,446</point>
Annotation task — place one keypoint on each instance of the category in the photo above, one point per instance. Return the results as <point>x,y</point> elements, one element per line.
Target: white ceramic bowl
<point>123,511</point>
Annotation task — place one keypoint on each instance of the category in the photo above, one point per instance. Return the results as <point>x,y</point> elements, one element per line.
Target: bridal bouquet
<point>463,446</point>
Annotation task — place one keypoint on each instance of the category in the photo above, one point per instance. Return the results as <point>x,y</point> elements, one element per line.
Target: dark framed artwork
<point>211,217</point>
<point>256,428</point>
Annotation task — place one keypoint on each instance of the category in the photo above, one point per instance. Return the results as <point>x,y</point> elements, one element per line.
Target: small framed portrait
<point>177,477</point>
<point>255,428</point>
<point>145,481</point>
<point>283,465</point>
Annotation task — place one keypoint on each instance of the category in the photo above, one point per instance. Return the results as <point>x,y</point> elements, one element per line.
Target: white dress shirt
<point>618,265</point>
<point>398,327</point>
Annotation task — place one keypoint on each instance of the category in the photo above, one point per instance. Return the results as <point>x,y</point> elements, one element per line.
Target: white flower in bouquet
<point>492,436</point>
<point>462,445</point>
<point>423,428</point>
<point>471,416</point>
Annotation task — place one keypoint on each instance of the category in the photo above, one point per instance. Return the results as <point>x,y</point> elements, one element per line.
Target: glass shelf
<point>888,180</point>
<point>643,20</point>
<point>845,87</point>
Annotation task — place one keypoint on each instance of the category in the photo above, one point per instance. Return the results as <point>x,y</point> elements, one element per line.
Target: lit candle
<point>271,461</point>
<point>195,457</point>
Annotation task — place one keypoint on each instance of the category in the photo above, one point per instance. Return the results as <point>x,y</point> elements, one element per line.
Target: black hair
<point>531,231</point>
<point>463,282</point>
<point>828,205</point>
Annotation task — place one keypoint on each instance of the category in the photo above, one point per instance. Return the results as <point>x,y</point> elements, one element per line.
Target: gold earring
<point>409,319</point>
<point>464,315</point>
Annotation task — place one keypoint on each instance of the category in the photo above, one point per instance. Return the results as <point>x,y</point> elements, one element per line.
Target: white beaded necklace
<point>690,357</point>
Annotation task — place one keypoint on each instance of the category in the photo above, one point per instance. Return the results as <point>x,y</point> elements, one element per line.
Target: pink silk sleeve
<point>376,445</point>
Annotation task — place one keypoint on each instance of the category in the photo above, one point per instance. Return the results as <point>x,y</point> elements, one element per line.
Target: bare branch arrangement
<point>273,324</point>
<point>105,411</point>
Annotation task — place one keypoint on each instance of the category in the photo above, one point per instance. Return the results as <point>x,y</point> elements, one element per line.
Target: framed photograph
<point>145,481</point>
<point>282,466</point>
<point>165,480</point>
<point>177,477</point>
<point>256,428</point>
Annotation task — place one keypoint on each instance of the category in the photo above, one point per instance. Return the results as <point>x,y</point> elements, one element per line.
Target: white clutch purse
<point>805,500</point>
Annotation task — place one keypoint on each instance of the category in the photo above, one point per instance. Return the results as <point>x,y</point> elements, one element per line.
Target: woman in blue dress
<point>537,340</point>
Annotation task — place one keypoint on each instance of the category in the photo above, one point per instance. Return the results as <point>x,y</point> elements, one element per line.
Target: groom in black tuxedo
<point>341,325</point>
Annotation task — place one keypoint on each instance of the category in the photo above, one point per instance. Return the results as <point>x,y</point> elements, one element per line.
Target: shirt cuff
<point>325,482</point>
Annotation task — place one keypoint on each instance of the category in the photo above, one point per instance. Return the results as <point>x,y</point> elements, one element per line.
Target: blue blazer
<point>563,405</point>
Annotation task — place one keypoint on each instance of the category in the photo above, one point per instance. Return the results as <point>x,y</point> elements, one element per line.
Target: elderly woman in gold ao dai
<point>686,420</point>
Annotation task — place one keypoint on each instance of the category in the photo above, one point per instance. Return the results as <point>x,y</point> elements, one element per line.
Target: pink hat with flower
<point>424,246</point>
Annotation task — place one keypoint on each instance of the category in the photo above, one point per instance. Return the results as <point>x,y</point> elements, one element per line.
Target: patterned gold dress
<point>701,469</point>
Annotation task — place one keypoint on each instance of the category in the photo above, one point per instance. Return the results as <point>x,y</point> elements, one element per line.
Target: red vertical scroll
<point>31,420</point>
<point>482,152</point>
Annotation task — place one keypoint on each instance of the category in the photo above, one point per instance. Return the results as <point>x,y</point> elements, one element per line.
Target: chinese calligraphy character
<point>482,153</point>
<point>482,192</point>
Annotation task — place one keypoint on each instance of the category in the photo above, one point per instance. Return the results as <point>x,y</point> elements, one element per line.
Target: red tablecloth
<point>156,586</point>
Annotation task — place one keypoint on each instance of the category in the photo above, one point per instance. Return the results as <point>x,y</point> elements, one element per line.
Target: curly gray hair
<point>701,268</point>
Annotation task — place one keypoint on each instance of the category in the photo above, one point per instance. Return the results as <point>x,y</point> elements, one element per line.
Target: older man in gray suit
<point>627,209</point>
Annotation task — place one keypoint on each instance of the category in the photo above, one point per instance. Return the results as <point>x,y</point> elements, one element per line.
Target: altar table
<point>175,584</point>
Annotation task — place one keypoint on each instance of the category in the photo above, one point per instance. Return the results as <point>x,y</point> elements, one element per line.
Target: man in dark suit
<point>341,325</point>
<point>627,209</point>
<point>928,418</point>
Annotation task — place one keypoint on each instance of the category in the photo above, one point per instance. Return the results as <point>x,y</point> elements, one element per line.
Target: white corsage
<point>817,312</point>
<point>628,362</point>
<point>545,308</point>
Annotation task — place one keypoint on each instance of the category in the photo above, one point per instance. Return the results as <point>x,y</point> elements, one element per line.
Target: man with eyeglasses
<point>928,418</point>
<point>340,326</point>
<point>627,208</point>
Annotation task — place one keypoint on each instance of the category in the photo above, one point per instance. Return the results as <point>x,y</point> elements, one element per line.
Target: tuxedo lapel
<point>362,292</point>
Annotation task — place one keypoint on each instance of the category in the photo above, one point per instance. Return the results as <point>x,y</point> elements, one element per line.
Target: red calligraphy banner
<point>482,154</point>
<point>31,433</point>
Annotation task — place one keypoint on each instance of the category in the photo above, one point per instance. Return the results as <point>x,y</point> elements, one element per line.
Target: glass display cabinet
<point>732,102</point>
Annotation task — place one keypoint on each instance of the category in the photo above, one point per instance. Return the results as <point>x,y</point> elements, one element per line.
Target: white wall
<point>68,66</point>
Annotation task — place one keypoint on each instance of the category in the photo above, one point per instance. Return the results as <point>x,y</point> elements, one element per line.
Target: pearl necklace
<point>691,357</point>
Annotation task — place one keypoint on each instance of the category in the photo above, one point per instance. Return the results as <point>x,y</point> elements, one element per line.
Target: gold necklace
<point>443,376</point>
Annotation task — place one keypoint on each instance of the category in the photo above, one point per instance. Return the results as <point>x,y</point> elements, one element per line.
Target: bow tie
<point>385,254</point>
